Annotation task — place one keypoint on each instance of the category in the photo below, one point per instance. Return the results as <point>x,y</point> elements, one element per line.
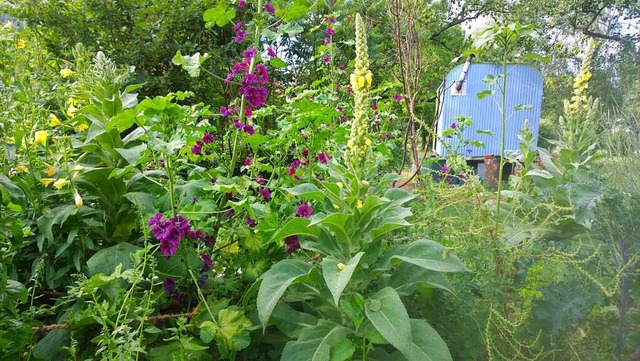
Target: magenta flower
<point>294,165</point>
<point>248,112</point>
<point>207,262</point>
<point>249,54</point>
<point>397,97</point>
<point>330,31</point>
<point>326,41</point>
<point>249,129</point>
<point>292,243</point>
<point>445,169</point>
<point>305,153</point>
<point>248,161</point>
<point>323,157</point>
<point>197,148</point>
<point>271,52</point>
<point>349,90</point>
<point>240,35</point>
<point>264,192</point>
<point>169,284</point>
<point>261,73</point>
<point>304,210</point>
<point>327,59</point>
<point>237,26</point>
<point>388,135</point>
<point>374,106</point>
<point>269,8</point>
<point>208,138</point>
<point>241,4</point>
<point>453,125</point>
<point>343,118</point>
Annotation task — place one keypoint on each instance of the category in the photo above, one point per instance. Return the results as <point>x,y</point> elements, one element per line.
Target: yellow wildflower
<point>20,44</point>
<point>77,169</point>
<point>65,73</point>
<point>49,170</point>
<point>81,127</point>
<point>73,101</point>
<point>41,137</point>
<point>47,181</point>
<point>361,81</point>
<point>340,185</point>
<point>71,111</point>
<point>367,142</point>
<point>77,199</point>
<point>54,120</point>
<point>60,183</point>
<point>359,203</point>
<point>341,266</point>
<point>22,169</point>
<point>11,140</point>
<point>369,77</point>
<point>336,207</point>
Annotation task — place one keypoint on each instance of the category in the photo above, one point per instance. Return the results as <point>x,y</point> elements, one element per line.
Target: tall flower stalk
<point>358,142</point>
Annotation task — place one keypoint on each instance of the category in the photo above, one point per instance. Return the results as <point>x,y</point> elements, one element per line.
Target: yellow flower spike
<point>77,199</point>
<point>20,44</point>
<point>361,81</point>
<point>360,204</point>
<point>41,137</point>
<point>54,120</point>
<point>47,181</point>
<point>341,266</point>
<point>60,183</point>
<point>65,73</point>
<point>22,169</point>
<point>340,185</point>
<point>49,170</point>
<point>369,78</point>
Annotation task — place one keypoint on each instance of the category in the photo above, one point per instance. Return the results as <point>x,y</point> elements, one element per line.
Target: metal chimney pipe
<point>463,75</point>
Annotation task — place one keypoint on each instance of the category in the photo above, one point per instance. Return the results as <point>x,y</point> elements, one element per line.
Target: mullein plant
<point>358,143</point>
<point>578,127</point>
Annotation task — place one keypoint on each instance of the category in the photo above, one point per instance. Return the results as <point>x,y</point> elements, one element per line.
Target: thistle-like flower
<point>358,142</point>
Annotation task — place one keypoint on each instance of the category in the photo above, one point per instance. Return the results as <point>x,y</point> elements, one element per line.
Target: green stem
<point>170,182</point>
<point>503,125</point>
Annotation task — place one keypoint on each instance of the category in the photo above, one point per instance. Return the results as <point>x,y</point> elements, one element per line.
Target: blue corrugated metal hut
<point>524,86</point>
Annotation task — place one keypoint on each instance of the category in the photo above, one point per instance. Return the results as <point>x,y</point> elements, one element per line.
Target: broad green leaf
<point>484,131</point>
<point>295,226</point>
<point>291,322</point>
<point>275,282</point>
<point>483,94</point>
<point>523,107</point>
<point>294,11</point>
<point>133,154</point>
<point>220,16</point>
<point>388,315</point>
<point>106,260</point>
<point>316,343</point>
<point>307,191</point>
<point>291,28</point>
<point>353,306</point>
<point>388,225</point>
<point>489,79</point>
<point>430,255</point>
<point>57,216</point>
<point>343,350</point>
<point>337,279</point>
<point>538,173</point>
<point>15,193</point>
<point>427,344</point>
<point>190,63</point>
<point>277,63</point>
<point>406,278</point>
<point>50,348</point>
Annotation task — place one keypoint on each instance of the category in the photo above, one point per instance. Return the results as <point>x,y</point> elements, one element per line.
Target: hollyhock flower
<point>327,59</point>
<point>304,210</point>
<point>197,148</point>
<point>237,27</point>
<point>342,67</point>
<point>445,169</point>
<point>249,54</point>
<point>269,8</point>
<point>250,222</point>
<point>397,97</point>
<point>374,106</point>
<point>238,124</point>
<point>209,241</point>
<point>203,278</point>
<point>292,243</point>
<point>248,161</point>
<point>260,180</point>
<point>388,135</point>
<point>249,129</point>
<point>339,108</point>
<point>295,164</point>
<point>207,262</point>
<point>323,157</point>
<point>155,219</point>
<point>261,73</point>
<point>343,118</point>
<point>208,138</point>
<point>169,284</point>
<point>330,31</point>
<point>305,153</point>
<point>326,41</point>
<point>453,125</point>
<point>271,52</point>
<point>197,234</point>
<point>248,112</point>
<point>241,4</point>
<point>240,35</point>
<point>349,89</point>
<point>264,192</point>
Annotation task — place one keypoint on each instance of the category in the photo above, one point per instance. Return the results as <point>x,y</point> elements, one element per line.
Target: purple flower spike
<point>304,210</point>
<point>197,148</point>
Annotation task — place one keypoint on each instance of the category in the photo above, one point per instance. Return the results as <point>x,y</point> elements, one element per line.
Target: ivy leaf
<point>190,63</point>
<point>220,16</point>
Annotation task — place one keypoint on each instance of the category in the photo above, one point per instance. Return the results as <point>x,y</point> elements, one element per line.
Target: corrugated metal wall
<point>524,86</point>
